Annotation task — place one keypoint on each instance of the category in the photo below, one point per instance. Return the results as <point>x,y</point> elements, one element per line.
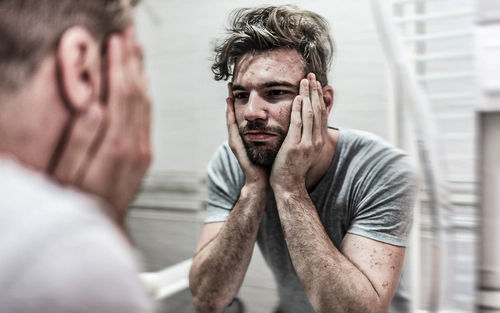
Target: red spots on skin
<point>305,155</point>
<point>390,254</point>
<point>393,267</point>
<point>281,113</point>
<point>385,284</point>
<point>268,68</point>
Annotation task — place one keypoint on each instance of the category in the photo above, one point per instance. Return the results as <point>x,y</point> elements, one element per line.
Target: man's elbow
<point>204,305</point>
<point>205,301</point>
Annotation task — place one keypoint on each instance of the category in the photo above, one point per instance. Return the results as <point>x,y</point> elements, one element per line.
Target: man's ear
<point>79,66</point>
<point>328,97</point>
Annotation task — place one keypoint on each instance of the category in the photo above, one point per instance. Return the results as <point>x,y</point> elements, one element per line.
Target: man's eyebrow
<point>270,84</point>
<point>279,83</point>
<point>235,87</point>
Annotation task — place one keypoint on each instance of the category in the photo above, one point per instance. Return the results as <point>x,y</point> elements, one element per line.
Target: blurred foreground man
<point>74,146</point>
<point>331,209</point>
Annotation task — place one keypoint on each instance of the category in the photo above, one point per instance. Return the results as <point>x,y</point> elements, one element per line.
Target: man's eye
<point>241,95</point>
<point>277,92</point>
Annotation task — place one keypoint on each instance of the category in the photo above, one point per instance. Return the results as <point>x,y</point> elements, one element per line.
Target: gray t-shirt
<point>60,252</point>
<point>368,190</point>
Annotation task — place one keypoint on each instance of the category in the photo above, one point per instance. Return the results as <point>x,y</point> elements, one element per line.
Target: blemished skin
<point>360,276</point>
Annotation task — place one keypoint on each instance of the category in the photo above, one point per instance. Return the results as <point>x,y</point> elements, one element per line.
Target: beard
<point>261,153</point>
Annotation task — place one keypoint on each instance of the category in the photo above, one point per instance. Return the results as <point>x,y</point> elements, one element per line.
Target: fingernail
<point>312,77</point>
<point>305,83</point>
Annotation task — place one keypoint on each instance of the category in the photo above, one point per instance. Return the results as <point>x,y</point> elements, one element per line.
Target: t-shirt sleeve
<point>225,180</point>
<point>385,198</point>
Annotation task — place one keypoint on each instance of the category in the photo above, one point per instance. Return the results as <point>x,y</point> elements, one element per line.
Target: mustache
<point>260,126</point>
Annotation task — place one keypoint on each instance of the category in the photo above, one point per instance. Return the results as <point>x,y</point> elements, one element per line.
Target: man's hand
<point>255,176</point>
<point>305,139</point>
<point>108,149</point>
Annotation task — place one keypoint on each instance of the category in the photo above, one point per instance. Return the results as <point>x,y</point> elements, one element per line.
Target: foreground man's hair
<point>30,30</point>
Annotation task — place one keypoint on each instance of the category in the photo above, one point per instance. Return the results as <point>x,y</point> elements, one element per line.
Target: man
<point>330,208</point>
<point>74,146</point>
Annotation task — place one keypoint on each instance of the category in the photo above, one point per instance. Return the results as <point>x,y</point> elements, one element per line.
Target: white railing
<point>428,143</point>
<point>166,282</point>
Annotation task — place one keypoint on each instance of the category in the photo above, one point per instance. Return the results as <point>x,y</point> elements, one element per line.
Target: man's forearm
<point>331,282</point>
<point>219,268</point>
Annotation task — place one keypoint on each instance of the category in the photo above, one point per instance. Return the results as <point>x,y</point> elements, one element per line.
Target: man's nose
<point>256,108</point>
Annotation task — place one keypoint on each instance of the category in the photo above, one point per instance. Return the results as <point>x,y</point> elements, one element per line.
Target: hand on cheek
<point>108,156</point>
<point>305,139</point>
<point>255,176</point>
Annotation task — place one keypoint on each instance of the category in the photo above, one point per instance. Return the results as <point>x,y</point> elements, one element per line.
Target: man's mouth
<point>259,135</point>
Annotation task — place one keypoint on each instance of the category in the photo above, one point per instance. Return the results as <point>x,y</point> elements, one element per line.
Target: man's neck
<point>319,169</point>
<point>32,120</point>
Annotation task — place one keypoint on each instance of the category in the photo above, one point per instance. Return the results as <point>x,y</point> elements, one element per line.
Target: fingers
<point>322,110</point>
<point>232,125</point>
<point>295,130</point>
<point>230,90</point>
<point>314,115</point>
<point>101,172</point>
<point>307,111</point>
<point>107,149</point>
<point>124,155</point>
<point>81,136</point>
<point>234,138</point>
<point>318,106</point>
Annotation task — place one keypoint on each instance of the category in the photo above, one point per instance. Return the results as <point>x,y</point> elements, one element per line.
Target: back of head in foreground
<point>74,111</point>
<point>70,72</point>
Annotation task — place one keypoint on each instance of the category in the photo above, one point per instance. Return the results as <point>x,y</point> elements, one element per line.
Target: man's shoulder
<point>45,228</point>
<point>224,160</point>
<point>33,206</point>
<point>365,155</point>
<point>34,197</point>
<point>360,144</point>
<point>360,137</point>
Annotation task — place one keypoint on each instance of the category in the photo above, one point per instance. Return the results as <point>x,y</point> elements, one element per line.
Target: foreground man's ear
<point>328,97</point>
<point>79,66</point>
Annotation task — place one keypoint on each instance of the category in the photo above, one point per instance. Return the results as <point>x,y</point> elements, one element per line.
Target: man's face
<point>264,86</point>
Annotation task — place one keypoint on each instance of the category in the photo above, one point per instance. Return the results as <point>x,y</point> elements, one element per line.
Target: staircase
<point>430,49</point>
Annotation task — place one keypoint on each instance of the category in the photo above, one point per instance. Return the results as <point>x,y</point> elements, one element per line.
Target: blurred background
<point>406,70</point>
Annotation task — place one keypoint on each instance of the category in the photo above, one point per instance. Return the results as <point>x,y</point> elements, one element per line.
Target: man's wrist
<point>289,188</point>
<point>254,190</point>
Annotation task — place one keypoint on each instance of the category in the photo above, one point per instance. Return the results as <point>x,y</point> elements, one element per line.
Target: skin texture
<point>84,118</point>
<point>360,276</point>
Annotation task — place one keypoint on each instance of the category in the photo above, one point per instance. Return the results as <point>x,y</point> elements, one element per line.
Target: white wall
<point>189,105</point>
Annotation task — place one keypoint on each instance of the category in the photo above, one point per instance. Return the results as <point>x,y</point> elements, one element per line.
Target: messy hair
<point>31,29</point>
<point>260,29</point>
